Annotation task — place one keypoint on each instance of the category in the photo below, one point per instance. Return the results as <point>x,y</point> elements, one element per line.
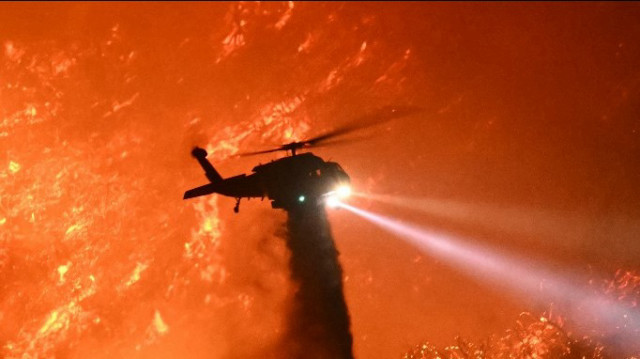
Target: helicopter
<point>294,181</point>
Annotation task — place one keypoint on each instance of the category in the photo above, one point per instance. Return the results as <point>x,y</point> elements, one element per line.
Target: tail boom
<point>201,191</point>
<point>201,155</point>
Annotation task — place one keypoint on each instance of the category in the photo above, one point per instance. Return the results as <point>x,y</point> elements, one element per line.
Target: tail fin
<point>200,191</point>
<point>201,155</point>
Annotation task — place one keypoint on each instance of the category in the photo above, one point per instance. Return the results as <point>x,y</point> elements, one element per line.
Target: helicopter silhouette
<point>294,181</point>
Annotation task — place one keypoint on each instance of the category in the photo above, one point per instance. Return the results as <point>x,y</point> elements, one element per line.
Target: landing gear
<point>236,208</point>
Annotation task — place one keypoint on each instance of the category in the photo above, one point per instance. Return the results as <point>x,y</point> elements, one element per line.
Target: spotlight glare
<point>343,191</point>
<point>332,201</point>
<point>301,198</point>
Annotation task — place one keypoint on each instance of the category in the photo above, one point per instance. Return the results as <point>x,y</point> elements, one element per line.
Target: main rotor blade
<point>380,116</point>
<point>341,141</point>
<point>244,154</point>
<point>377,117</point>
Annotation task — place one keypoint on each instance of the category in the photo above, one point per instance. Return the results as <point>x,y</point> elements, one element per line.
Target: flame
<point>73,228</point>
<point>282,21</point>
<point>59,319</point>
<point>530,338</point>
<point>159,325</point>
<point>14,167</point>
<point>13,52</point>
<point>135,276</point>
<point>62,270</point>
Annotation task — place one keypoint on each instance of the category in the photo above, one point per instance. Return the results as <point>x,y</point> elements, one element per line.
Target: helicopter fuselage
<point>302,179</point>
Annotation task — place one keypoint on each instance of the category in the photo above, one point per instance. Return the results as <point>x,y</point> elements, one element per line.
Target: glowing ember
<point>135,276</point>
<point>62,270</point>
<point>14,167</point>
<point>159,325</point>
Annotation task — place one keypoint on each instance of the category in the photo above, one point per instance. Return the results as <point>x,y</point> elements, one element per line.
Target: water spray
<point>318,324</point>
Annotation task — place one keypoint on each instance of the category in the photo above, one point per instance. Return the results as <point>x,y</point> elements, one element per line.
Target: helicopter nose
<point>344,178</point>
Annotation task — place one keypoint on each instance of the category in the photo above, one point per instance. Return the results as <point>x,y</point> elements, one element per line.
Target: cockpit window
<point>332,168</point>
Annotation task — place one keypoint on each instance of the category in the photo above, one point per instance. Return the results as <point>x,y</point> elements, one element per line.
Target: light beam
<point>567,228</point>
<point>519,274</point>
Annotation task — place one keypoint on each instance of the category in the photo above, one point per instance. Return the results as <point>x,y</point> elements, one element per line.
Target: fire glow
<point>100,104</point>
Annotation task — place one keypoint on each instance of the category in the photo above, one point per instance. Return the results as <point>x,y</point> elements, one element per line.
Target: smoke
<point>318,325</point>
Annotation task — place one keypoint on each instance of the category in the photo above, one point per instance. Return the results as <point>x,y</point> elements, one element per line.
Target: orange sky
<point>526,106</point>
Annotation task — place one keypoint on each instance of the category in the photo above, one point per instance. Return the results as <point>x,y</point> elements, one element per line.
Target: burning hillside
<point>528,144</point>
